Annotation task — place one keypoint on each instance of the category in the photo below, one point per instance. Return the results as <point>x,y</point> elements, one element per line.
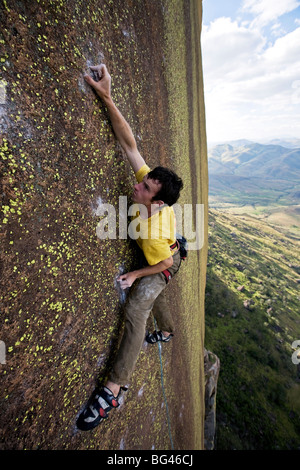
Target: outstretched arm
<point>120,126</point>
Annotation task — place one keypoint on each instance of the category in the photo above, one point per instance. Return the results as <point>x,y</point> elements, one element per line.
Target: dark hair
<point>171,185</point>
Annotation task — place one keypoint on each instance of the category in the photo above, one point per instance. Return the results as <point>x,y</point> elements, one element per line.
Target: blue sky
<point>251,64</point>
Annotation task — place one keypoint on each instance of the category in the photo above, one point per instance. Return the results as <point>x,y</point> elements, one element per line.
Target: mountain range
<point>249,159</point>
<point>249,173</point>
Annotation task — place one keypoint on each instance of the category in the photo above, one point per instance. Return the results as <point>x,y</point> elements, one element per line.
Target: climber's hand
<point>102,84</point>
<point>126,280</point>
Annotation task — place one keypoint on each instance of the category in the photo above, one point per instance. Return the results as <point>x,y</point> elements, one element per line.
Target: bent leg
<point>137,311</point>
<point>161,309</point>
<point>161,313</point>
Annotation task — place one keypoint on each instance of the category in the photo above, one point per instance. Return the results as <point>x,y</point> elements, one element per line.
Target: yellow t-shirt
<point>156,233</point>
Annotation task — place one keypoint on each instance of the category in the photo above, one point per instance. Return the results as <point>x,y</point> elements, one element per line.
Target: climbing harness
<point>167,274</point>
<point>182,245</point>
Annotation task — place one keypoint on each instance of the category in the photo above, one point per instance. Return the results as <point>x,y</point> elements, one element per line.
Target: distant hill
<point>288,143</point>
<point>253,159</point>
<point>244,172</point>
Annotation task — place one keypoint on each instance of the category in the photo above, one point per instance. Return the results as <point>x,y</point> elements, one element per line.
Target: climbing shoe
<point>157,336</point>
<point>98,409</point>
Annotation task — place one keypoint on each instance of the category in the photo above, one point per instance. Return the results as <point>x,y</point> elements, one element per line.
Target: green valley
<point>258,179</point>
<point>252,319</point>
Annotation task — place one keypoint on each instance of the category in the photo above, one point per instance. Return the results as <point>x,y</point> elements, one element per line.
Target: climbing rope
<point>163,388</point>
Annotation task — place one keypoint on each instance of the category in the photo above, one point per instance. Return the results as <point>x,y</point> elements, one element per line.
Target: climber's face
<point>145,191</point>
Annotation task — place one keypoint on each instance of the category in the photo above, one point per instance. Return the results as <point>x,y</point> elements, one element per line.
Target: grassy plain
<point>252,319</point>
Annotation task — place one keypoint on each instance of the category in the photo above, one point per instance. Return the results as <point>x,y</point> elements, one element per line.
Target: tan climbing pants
<point>148,295</point>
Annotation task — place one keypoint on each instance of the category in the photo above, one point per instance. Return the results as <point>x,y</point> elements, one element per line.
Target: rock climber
<point>155,192</point>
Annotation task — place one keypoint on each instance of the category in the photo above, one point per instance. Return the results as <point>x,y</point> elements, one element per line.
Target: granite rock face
<point>212,369</point>
<point>61,310</point>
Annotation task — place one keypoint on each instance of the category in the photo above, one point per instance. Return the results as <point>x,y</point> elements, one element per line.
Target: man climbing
<point>155,192</point>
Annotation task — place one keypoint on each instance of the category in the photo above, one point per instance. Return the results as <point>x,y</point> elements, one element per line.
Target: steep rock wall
<point>212,370</point>
<point>61,311</point>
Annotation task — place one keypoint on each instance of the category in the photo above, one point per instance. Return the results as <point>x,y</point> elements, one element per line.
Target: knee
<point>149,288</point>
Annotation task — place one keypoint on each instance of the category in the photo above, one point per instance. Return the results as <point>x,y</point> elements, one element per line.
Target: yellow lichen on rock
<point>61,311</point>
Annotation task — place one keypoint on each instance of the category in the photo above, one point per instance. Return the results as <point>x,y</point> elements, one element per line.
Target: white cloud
<point>226,45</point>
<point>267,11</point>
<point>250,84</point>
<point>285,51</point>
<point>277,30</point>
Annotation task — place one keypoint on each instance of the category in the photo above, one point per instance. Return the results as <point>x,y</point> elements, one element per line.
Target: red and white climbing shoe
<point>95,412</point>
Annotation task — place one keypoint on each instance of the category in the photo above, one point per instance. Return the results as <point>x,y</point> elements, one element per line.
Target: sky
<point>251,66</point>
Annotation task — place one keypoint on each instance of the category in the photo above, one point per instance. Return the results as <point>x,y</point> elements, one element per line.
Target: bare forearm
<point>154,269</point>
<point>126,280</point>
<point>124,134</point>
<point>148,270</point>
<point>120,126</point>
